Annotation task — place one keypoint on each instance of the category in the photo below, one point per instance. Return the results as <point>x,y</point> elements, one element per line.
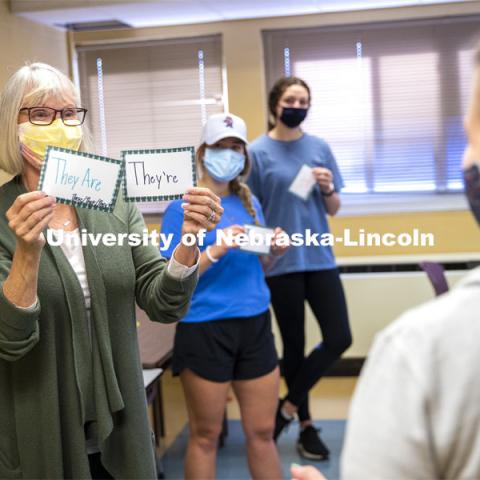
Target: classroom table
<point>151,380</point>
<point>153,390</point>
<point>155,340</point>
<point>156,345</point>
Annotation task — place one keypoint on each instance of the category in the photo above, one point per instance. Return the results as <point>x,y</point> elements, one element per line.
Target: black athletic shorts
<point>225,350</point>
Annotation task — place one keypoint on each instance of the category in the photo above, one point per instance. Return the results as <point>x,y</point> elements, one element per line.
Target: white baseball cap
<point>223,125</point>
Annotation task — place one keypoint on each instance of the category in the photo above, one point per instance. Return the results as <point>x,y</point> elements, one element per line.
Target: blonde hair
<point>237,186</point>
<point>29,86</point>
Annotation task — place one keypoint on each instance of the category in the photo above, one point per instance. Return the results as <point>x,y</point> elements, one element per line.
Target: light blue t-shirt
<point>235,286</point>
<point>275,164</point>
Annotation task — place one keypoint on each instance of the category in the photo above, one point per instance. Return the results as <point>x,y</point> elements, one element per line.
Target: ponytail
<point>241,189</point>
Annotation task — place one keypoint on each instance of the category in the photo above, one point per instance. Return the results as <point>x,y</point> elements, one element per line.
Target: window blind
<point>154,94</point>
<point>388,97</point>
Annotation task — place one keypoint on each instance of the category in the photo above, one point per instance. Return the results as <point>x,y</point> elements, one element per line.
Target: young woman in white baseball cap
<point>226,340</point>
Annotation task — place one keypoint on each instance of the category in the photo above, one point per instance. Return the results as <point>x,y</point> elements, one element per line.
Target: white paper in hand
<point>259,240</point>
<point>158,175</point>
<point>303,183</point>
<point>81,179</point>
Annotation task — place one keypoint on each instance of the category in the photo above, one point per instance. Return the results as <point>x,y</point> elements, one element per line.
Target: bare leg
<point>258,400</point>
<point>206,403</point>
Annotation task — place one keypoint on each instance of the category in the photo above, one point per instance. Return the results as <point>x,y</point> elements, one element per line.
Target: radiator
<point>374,300</point>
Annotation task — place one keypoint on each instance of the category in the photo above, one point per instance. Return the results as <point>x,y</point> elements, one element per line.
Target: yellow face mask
<point>34,139</point>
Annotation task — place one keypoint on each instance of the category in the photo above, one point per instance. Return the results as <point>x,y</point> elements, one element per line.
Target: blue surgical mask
<point>223,164</point>
<point>471,178</point>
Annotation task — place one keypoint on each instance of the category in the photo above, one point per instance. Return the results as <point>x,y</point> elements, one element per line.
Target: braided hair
<point>243,192</point>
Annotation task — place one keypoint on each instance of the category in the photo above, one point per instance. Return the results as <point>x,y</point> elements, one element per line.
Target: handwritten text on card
<point>162,174</point>
<point>81,179</point>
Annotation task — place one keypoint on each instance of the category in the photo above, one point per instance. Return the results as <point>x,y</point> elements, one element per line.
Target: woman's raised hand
<point>324,178</point>
<point>202,210</point>
<point>28,217</point>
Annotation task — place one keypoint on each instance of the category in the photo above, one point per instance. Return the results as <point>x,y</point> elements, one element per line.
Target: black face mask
<point>471,179</point>
<point>293,117</point>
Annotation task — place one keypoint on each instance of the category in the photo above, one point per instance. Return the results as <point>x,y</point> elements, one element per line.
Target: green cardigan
<point>47,363</point>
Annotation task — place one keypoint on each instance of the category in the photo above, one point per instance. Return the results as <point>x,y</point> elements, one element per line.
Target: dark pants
<point>324,292</point>
<point>97,470</point>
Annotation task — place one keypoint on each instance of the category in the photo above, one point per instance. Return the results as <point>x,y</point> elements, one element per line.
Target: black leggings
<point>324,292</point>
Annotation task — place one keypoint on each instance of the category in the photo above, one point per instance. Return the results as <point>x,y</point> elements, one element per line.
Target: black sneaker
<point>310,445</point>
<point>280,421</point>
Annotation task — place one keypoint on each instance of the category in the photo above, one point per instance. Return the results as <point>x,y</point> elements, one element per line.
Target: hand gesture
<point>202,210</point>
<point>324,178</point>
<point>279,247</point>
<point>28,217</point>
<point>218,250</point>
<point>306,472</point>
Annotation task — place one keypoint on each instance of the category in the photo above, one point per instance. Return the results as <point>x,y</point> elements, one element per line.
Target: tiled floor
<point>329,400</point>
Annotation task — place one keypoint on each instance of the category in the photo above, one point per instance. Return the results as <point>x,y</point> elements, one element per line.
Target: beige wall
<point>243,56</point>
<point>23,41</point>
<point>243,53</point>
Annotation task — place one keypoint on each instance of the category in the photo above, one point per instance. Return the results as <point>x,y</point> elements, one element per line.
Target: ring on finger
<point>211,218</point>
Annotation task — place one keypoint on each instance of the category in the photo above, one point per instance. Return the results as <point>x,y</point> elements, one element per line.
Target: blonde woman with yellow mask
<point>72,403</point>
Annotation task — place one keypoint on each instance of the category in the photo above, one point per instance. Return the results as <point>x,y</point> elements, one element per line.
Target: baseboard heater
<point>376,296</point>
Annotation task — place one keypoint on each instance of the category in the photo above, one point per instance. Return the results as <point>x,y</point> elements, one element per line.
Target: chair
<point>436,275</point>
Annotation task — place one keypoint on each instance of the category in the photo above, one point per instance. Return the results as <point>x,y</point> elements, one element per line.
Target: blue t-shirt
<point>275,164</point>
<point>234,286</point>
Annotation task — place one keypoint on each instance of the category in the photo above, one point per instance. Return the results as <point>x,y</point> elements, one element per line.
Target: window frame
<point>357,204</point>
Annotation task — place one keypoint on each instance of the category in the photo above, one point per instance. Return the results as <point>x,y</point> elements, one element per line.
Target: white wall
<point>374,300</point>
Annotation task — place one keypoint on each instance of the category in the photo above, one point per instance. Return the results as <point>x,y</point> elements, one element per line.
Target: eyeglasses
<point>71,116</point>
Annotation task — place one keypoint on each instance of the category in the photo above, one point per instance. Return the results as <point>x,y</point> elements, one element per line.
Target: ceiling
<point>180,12</point>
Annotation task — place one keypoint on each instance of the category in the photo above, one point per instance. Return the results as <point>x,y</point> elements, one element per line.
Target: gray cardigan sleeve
<point>164,298</point>
<point>19,328</point>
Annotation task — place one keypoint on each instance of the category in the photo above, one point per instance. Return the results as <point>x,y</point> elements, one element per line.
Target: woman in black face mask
<point>471,161</point>
<point>296,178</point>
